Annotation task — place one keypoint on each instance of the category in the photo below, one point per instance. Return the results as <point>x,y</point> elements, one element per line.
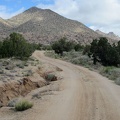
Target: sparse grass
<point>111,72</point>
<point>23,105</point>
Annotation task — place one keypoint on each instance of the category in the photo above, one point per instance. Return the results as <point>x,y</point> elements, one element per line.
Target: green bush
<point>62,45</point>
<point>16,46</point>
<point>23,105</point>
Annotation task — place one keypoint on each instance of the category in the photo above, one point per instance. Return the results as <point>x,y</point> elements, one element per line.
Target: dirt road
<point>84,95</point>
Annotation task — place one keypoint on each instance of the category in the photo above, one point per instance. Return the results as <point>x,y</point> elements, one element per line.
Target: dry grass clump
<point>23,105</point>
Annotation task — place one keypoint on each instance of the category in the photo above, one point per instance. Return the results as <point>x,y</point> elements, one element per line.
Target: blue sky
<point>96,14</point>
<point>12,6</point>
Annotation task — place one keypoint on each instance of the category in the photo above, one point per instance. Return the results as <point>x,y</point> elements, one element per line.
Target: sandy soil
<point>82,95</point>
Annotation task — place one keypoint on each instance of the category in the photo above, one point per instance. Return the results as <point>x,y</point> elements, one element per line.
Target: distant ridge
<point>45,26</point>
<point>109,35</point>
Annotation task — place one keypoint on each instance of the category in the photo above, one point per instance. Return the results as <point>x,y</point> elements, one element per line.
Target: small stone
<point>13,102</point>
<point>37,95</point>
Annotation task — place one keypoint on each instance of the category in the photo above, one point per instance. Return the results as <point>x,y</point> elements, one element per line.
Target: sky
<point>96,14</point>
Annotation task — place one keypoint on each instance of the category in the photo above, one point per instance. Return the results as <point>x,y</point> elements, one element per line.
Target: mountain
<point>44,26</point>
<point>4,26</point>
<point>110,35</point>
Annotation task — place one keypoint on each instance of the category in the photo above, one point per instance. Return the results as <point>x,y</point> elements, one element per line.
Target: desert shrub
<point>76,58</point>
<point>50,77</point>
<point>81,60</point>
<point>108,69</point>
<point>20,65</point>
<point>72,54</point>
<point>111,72</point>
<point>9,67</point>
<point>23,105</point>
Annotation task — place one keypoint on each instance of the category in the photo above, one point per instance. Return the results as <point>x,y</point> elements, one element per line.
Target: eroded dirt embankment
<point>20,88</point>
<point>14,89</point>
<point>82,95</point>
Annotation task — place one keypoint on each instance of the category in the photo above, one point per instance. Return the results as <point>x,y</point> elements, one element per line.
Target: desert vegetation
<point>100,55</point>
<point>63,45</point>
<point>23,105</point>
<point>102,51</point>
<point>16,46</point>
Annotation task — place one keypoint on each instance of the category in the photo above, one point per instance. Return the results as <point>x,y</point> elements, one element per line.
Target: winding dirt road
<point>84,95</point>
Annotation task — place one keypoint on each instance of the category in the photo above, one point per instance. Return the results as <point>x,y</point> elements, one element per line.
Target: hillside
<point>4,27</point>
<point>44,26</point>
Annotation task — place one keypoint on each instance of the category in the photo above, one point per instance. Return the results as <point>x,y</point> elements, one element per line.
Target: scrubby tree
<point>101,50</point>
<point>118,47</point>
<point>16,46</point>
<point>86,49</point>
<point>78,47</point>
<point>62,45</point>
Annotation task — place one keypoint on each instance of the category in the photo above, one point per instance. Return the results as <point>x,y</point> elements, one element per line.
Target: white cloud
<point>6,12</point>
<point>102,14</point>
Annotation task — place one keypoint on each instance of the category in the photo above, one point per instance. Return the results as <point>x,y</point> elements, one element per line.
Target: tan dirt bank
<point>83,95</point>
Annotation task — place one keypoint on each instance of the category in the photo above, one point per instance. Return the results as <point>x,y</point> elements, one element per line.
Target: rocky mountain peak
<point>33,9</point>
<point>111,33</point>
